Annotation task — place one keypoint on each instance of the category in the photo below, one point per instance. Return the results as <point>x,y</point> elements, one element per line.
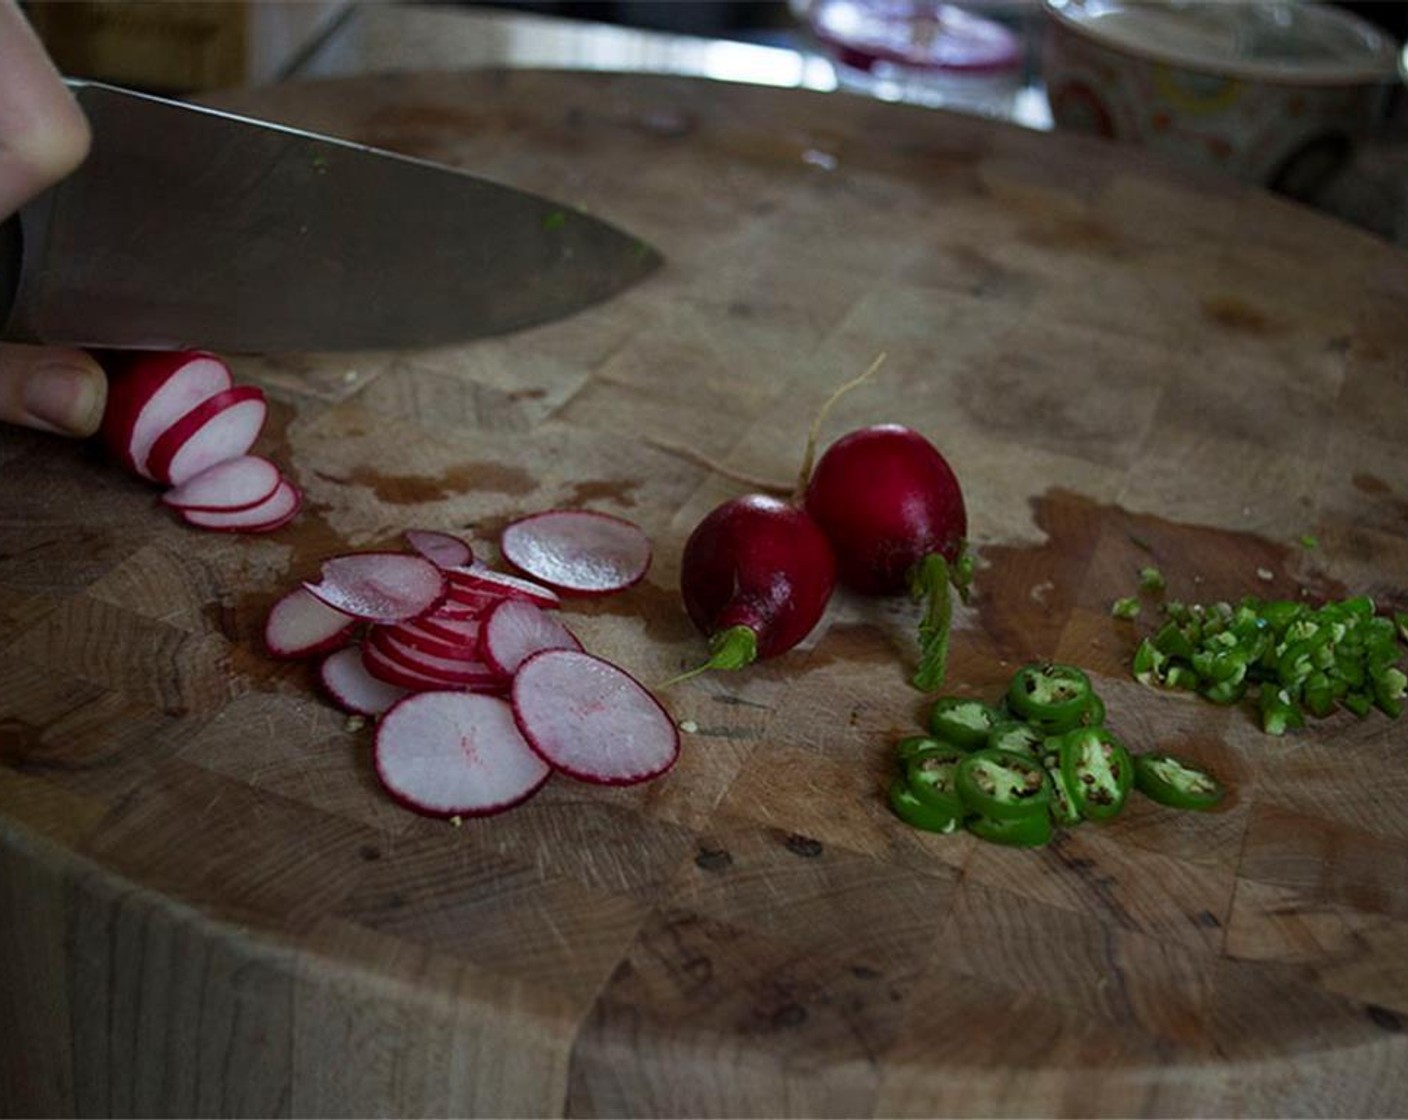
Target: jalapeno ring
<point>1054,697</point>
<point>1098,771</point>
<point>1003,785</point>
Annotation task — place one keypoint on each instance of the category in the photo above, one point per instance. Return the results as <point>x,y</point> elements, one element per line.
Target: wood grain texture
<point>207,905</point>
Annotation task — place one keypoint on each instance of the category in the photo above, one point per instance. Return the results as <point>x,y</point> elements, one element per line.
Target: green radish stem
<point>734,648</point>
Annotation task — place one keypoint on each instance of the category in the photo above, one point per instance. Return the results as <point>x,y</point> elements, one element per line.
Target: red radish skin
<point>441,549</point>
<point>415,635</point>
<point>448,754</point>
<point>380,586</point>
<point>150,391</point>
<point>578,552</point>
<point>273,513</point>
<point>460,671</point>
<point>592,720</point>
<point>515,630</point>
<point>890,505</point>
<point>756,576</point>
<point>384,668</point>
<point>299,625</point>
<point>347,681</point>
<point>219,428</point>
<point>476,581</point>
<point>228,487</point>
<point>446,625</point>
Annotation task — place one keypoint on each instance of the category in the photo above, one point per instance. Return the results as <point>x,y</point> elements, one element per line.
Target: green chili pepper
<point>932,778</point>
<point>1126,608</point>
<point>911,745</point>
<point>1171,781</point>
<point>1151,579</point>
<point>1098,771</point>
<point>1031,831</point>
<point>1064,810</point>
<point>914,812</point>
<point>1003,785</point>
<point>1279,712</point>
<point>1014,735</point>
<point>962,721</point>
<point>1052,697</point>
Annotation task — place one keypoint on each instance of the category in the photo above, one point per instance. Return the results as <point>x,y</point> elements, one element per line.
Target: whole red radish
<point>755,576</point>
<point>892,508</point>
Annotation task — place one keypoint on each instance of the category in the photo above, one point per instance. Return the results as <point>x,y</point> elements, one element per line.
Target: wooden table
<point>207,905</point>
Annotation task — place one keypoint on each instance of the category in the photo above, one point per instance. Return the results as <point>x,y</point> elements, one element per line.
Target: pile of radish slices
<point>178,419</point>
<point>479,690</point>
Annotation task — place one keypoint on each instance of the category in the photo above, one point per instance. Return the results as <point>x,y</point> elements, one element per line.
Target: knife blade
<point>190,227</point>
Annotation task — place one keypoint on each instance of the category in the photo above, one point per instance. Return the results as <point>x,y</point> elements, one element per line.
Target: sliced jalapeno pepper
<point>1003,785</point>
<point>962,721</point>
<point>914,812</point>
<point>911,745</point>
<point>1014,735</point>
<point>1031,831</point>
<point>932,777</point>
<point>1053,697</point>
<point>1171,781</point>
<point>1098,770</point>
<point>1064,810</point>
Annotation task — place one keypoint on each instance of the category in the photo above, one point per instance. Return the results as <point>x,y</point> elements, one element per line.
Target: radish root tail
<point>699,459</point>
<point>809,458</point>
<point>734,648</point>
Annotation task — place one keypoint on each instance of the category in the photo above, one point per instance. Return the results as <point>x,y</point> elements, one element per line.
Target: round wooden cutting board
<point>209,906</point>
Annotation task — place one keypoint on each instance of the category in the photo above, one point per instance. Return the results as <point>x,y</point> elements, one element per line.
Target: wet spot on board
<point>414,489</point>
<point>1235,314</point>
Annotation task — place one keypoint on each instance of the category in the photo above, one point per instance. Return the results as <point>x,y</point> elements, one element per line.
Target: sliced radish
<point>469,604</point>
<point>276,510</point>
<point>384,668</point>
<point>452,754</point>
<point>227,487</point>
<point>441,549</point>
<point>444,624</point>
<point>299,625</point>
<point>415,635</point>
<point>591,719</point>
<point>150,391</point>
<point>221,427</point>
<point>466,672</point>
<point>480,581</point>
<point>578,551</point>
<point>380,586</point>
<point>516,629</point>
<point>356,690</point>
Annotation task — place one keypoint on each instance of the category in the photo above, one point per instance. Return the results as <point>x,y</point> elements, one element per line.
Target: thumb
<point>53,390</point>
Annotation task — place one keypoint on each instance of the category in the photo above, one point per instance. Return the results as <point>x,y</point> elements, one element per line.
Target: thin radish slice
<point>380,586</point>
<point>467,604</point>
<point>222,427</point>
<point>299,625</point>
<point>441,549</point>
<point>148,392</point>
<point>448,626</point>
<point>579,552</point>
<point>476,580</point>
<point>450,754</point>
<point>278,509</point>
<point>516,629</point>
<point>591,719</point>
<point>418,637</point>
<point>355,690</point>
<point>227,487</point>
<point>383,668</point>
<point>468,672</point>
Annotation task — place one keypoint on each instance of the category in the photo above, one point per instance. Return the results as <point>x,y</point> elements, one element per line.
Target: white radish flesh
<point>384,668</point>
<point>451,754</point>
<point>441,549</point>
<point>227,487</point>
<point>148,393</point>
<point>476,581</point>
<point>299,625</point>
<point>578,551</point>
<point>470,673</point>
<point>380,586</point>
<point>278,509</point>
<point>448,626</point>
<point>516,629</point>
<point>355,690</point>
<point>223,427</point>
<point>591,719</point>
<point>415,635</point>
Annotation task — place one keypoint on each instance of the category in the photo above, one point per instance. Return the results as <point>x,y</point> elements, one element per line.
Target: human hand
<point>43,137</point>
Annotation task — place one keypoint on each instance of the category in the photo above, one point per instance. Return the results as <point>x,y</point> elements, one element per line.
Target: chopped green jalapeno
<point>1098,771</point>
<point>1064,810</point>
<point>1031,831</point>
<point>1171,781</point>
<point>1014,735</point>
<point>961,721</point>
<point>932,776</point>
<point>1003,785</point>
<point>1094,714</point>
<point>1053,697</point>
<point>911,745</point>
<point>915,812</point>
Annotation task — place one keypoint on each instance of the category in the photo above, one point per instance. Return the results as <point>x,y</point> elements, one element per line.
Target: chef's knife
<point>188,227</point>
